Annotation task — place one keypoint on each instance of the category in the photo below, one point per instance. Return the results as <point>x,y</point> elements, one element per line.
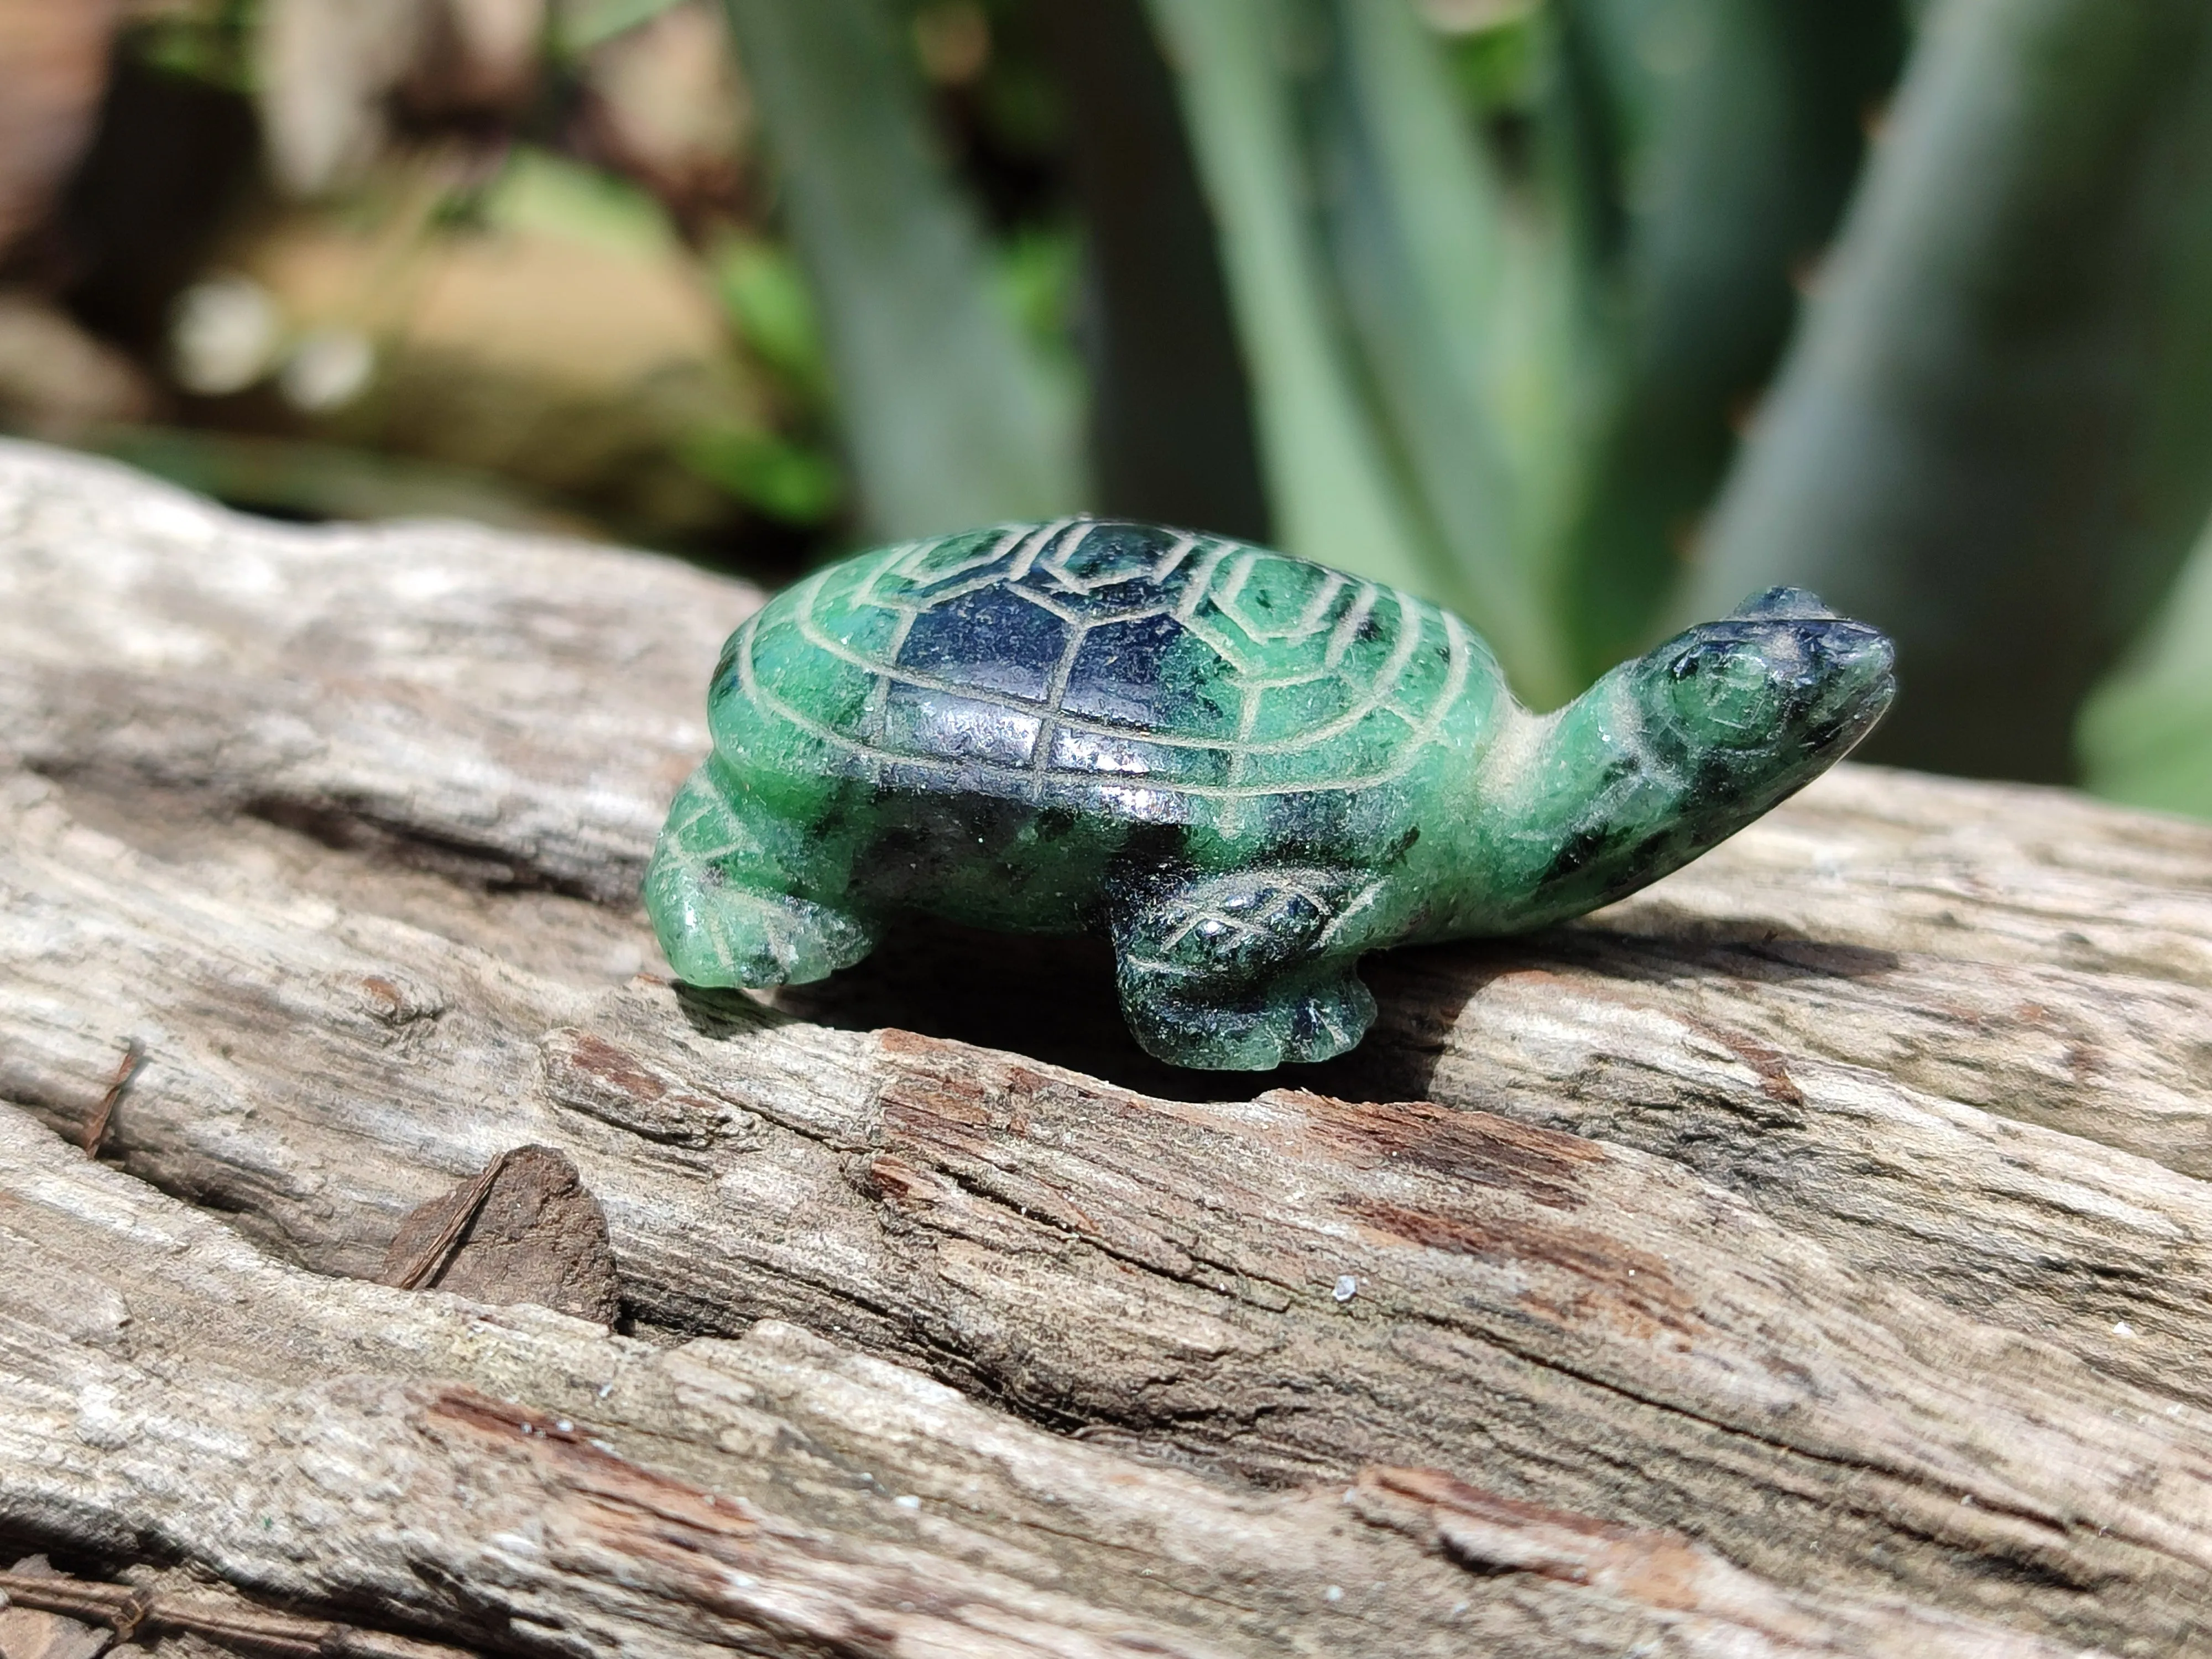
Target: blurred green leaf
<point>2146,734</point>
<point>1732,135</point>
<point>1171,426</point>
<point>1418,231</point>
<point>1512,390</point>
<point>579,25</point>
<point>537,191</point>
<point>210,41</point>
<point>762,288</point>
<point>1036,283</point>
<point>1038,269</point>
<point>949,419</point>
<point>1360,236</point>
<point>1498,67</point>
<point>786,479</point>
<point>1994,435</point>
<point>1335,499</point>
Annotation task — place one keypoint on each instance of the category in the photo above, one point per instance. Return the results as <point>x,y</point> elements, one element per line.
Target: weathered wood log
<point>1810,1254</point>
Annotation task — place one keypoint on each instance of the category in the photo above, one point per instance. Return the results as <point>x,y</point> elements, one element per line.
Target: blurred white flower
<point>222,334</point>
<point>327,369</point>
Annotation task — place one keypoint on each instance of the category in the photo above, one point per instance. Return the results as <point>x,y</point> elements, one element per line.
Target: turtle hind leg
<point>1243,971</point>
<point>729,911</point>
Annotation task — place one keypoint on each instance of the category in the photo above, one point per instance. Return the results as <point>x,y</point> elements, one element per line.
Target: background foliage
<point>1584,316</point>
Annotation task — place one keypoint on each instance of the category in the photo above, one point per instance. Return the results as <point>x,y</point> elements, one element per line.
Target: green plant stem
<point>1365,338</point>
<point>1171,426</point>
<point>948,420</point>
<point>2146,734</point>
<point>1994,436</point>
<point>1730,136</point>
<point>1330,484</point>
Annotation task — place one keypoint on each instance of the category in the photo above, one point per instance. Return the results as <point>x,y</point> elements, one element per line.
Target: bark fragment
<point>523,1229</point>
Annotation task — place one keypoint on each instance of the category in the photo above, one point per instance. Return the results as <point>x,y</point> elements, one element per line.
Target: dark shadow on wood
<point>1053,999</point>
<point>1050,999</point>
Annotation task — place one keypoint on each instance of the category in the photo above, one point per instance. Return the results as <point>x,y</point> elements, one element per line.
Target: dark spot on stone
<point>1576,852</point>
<point>991,640</point>
<point>1152,856</point>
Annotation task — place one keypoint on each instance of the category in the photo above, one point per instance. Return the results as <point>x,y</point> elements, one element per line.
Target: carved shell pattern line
<point>1118,663</point>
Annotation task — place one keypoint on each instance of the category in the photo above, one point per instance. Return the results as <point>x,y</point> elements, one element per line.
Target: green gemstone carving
<point>1246,769</point>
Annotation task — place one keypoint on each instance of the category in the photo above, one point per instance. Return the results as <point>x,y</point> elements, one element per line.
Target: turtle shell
<point>1106,665</point>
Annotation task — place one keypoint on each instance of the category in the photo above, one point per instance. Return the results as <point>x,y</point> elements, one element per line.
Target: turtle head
<point>1758,704</point>
<point>1679,748</point>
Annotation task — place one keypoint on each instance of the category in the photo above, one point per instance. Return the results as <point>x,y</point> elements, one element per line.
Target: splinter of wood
<point>432,1260</point>
<point>129,1611</point>
<point>95,1133</point>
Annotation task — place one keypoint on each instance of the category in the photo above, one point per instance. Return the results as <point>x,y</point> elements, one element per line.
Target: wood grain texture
<point>1811,1250</point>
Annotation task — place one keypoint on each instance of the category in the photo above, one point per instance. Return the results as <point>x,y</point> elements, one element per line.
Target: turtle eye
<point>1724,692</point>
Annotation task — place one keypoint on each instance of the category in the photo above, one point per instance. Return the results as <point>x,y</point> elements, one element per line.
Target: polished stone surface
<point>1243,769</point>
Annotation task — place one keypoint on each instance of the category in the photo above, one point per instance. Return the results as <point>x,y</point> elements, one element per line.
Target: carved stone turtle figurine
<point>1246,769</point>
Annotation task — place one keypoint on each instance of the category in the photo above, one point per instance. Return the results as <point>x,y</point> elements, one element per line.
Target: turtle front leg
<point>1243,971</point>
<point>727,891</point>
